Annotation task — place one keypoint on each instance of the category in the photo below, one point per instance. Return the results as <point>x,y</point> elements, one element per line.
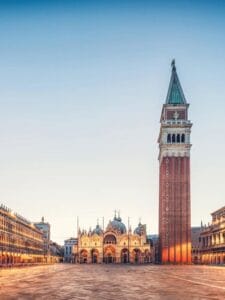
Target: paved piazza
<point>65,281</point>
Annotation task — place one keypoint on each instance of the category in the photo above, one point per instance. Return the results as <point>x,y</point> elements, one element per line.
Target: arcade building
<point>20,241</point>
<point>115,244</point>
<point>212,239</point>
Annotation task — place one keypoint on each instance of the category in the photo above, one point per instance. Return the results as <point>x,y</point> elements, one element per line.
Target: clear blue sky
<point>82,84</point>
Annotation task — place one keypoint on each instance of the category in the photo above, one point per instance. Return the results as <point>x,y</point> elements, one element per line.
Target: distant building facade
<point>174,177</point>
<point>115,244</point>
<point>213,239</point>
<point>20,241</point>
<point>154,241</point>
<point>44,227</point>
<point>196,244</point>
<point>56,252</point>
<point>70,250</point>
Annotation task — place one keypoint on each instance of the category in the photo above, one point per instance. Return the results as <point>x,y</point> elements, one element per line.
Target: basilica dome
<point>141,229</point>
<point>117,225</point>
<point>97,230</point>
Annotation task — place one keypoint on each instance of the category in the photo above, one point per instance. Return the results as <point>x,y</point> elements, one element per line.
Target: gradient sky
<point>82,84</point>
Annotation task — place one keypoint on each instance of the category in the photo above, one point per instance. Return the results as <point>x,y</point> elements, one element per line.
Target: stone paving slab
<point>98,282</point>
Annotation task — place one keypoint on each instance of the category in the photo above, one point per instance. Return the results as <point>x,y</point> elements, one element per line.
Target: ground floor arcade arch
<point>109,254</point>
<point>94,256</point>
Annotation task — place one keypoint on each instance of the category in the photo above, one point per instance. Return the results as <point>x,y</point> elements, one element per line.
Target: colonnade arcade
<point>110,256</point>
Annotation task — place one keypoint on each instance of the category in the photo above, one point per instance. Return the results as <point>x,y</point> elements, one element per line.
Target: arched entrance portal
<point>83,256</point>
<point>136,256</point>
<point>124,256</point>
<point>109,255</point>
<point>94,256</point>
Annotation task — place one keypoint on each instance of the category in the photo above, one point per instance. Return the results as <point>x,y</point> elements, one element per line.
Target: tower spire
<point>175,95</point>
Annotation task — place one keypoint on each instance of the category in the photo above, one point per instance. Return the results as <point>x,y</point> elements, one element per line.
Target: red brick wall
<point>174,210</point>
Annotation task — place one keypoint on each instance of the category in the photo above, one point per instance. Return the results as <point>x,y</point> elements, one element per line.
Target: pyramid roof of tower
<point>175,95</point>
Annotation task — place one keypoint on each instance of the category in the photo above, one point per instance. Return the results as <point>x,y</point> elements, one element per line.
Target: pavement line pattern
<point>102,282</point>
<point>198,282</point>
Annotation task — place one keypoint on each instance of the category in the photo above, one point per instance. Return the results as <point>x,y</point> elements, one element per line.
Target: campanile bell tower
<point>174,176</point>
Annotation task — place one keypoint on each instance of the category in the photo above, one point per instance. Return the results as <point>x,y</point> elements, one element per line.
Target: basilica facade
<point>115,244</point>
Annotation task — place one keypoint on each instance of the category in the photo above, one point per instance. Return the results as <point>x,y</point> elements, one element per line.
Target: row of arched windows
<point>175,138</point>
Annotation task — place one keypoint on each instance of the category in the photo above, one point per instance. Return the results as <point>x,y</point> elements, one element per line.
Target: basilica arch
<point>94,256</point>
<point>83,256</point>
<point>124,257</point>
<point>136,255</point>
<point>109,254</point>
<point>110,238</point>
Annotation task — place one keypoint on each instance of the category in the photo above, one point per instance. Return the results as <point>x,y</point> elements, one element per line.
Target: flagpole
<point>103,239</point>
<point>128,240</point>
<point>78,239</point>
